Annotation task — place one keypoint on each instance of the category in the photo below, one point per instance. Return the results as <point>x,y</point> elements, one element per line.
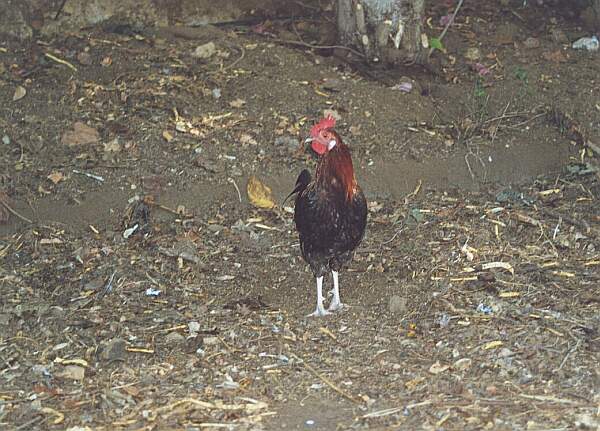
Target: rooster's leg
<point>320,311</point>
<point>335,304</point>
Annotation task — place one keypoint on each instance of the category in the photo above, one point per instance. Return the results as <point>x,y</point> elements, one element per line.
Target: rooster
<point>330,211</point>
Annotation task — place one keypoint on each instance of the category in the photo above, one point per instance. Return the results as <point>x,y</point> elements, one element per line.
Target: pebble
<point>462,364</point>
<point>114,350</point>
<point>397,305</point>
<point>531,43</point>
<point>205,51</point>
<point>174,338</point>
<point>473,54</point>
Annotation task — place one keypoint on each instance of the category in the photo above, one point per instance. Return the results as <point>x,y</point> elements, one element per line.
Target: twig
<point>171,210</point>
<point>60,8</point>
<point>398,232</point>
<point>548,399</point>
<point>232,181</point>
<point>414,193</point>
<point>92,176</point>
<point>308,45</point>
<point>229,66</point>
<point>13,212</point>
<point>60,61</point>
<point>326,380</point>
<point>448,24</point>
<point>499,122</point>
<point>564,361</point>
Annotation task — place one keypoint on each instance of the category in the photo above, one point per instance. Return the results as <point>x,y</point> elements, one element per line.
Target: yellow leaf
<point>20,92</point>
<point>80,362</point>
<point>493,345</point>
<point>509,294</point>
<point>259,194</point>
<point>237,103</point>
<point>56,177</point>
<point>167,136</point>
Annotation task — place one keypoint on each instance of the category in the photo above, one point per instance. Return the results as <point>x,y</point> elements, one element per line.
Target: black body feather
<point>330,222</point>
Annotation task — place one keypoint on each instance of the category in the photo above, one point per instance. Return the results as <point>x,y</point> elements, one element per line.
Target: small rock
<point>114,350</point>
<point>462,364</point>
<point>72,372</point>
<point>216,93</point>
<point>205,51</point>
<point>215,228</point>
<point>525,376</point>
<point>397,305</point>
<point>84,58</point>
<point>332,84</point>
<point>437,368</point>
<point>587,43</point>
<point>5,139</point>
<point>207,165</point>
<point>531,43</point>
<point>193,327</point>
<point>174,338</point>
<point>473,54</point>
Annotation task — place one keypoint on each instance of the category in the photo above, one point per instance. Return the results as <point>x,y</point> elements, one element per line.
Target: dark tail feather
<point>301,183</point>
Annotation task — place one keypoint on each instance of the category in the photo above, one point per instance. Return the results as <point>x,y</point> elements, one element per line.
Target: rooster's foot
<point>319,313</point>
<point>335,306</point>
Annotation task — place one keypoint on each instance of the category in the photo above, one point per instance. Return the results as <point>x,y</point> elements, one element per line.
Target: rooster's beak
<point>308,140</point>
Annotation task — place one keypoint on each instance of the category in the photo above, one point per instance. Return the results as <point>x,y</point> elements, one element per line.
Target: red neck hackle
<point>336,166</point>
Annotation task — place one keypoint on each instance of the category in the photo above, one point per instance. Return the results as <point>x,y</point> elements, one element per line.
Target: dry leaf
<point>112,146</point>
<point>20,92</point>
<point>493,345</point>
<point>509,294</point>
<point>80,135</point>
<point>246,139</point>
<point>80,362</point>
<point>259,194</point>
<point>438,368</point>
<point>502,265</point>
<point>50,241</point>
<point>237,103</point>
<point>58,416</point>
<point>167,136</point>
<point>56,177</point>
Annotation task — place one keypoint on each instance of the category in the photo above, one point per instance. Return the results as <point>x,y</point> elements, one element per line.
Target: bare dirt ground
<point>472,305</point>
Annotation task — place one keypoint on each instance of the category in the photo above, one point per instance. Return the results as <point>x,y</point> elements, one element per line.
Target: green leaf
<point>435,43</point>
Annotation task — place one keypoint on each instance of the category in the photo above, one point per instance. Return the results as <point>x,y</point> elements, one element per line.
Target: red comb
<point>326,123</point>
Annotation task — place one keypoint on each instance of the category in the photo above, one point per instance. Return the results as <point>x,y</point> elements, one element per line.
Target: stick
<point>232,181</point>
<point>58,12</point>
<point>327,381</point>
<point>60,61</point>
<point>448,24</point>
<point>308,45</point>
<point>13,212</point>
